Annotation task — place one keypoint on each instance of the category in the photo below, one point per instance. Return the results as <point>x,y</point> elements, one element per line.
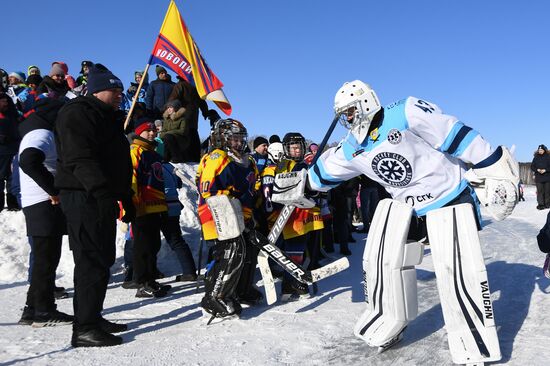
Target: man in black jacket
<point>541,167</point>
<point>93,173</point>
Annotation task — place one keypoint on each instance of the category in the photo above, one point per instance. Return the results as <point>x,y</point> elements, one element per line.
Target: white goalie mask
<point>356,103</point>
<point>275,152</point>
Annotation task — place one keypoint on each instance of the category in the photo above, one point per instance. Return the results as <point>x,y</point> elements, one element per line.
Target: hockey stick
<point>193,186</point>
<point>297,271</point>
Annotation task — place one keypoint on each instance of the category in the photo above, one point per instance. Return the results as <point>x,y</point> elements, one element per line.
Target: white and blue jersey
<point>417,153</point>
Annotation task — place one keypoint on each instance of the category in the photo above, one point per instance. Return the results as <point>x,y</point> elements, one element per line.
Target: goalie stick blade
<point>329,269</point>
<point>297,271</point>
<point>267,278</point>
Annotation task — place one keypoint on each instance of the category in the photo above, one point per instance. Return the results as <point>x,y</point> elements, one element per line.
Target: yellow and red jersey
<point>218,173</point>
<point>147,179</point>
<point>302,221</point>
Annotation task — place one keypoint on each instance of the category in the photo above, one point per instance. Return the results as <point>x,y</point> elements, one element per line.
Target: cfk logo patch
<point>394,136</point>
<point>392,168</point>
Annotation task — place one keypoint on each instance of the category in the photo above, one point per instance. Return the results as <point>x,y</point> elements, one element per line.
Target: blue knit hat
<point>100,78</point>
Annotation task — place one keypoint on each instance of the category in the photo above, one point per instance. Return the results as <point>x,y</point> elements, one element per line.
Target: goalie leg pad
<point>390,277</point>
<point>462,284</point>
<point>227,215</point>
<point>222,278</point>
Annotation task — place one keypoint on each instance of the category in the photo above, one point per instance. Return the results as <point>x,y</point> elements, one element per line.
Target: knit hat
<point>85,63</point>
<point>144,124</point>
<point>33,67</point>
<point>160,69</point>
<point>62,65</point>
<point>313,147</point>
<point>100,78</point>
<point>56,69</point>
<point>542,146</point>
<point>258,141</point>
<point>176,104</point>
<point>20,75</point>
<point>34,79</point>
<point>274,138</point>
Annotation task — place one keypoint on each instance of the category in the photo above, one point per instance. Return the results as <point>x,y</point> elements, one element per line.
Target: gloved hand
<point>212,116</point>
<point>129,210</point>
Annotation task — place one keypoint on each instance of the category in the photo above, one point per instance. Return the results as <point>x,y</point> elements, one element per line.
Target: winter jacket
<point>543,238</point>
<point>174,123</point>
<point>541,162</point>
<point>93,152</point>
<point>37,154</point>
<point>157,95</point>
<point>131,92</point>
<point>190,100</point>
<point>9,120</point>
<point>53,89</point>
<point>261,161</point>
<point>147,178</point>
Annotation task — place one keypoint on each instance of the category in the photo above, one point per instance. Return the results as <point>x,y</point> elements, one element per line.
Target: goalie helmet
<point>356,103</point>
<point>229,135</point>
<point>275,152</point>
<point>294,146</point>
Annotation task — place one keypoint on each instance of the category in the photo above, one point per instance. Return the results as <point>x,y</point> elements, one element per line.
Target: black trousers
<point>171,229</point>
<point>146,231</point>
<point>47,251</point>
<point>543,193</point>
<point>92,241</point>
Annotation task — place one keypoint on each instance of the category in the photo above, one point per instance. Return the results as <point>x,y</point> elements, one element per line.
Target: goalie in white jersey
<point>420,155</point>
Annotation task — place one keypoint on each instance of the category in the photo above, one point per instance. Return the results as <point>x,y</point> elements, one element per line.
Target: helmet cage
<point>295,141</point>
<point>227,133</point>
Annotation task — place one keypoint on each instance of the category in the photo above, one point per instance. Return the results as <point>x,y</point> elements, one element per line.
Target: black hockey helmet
<point>230,135</point>
<point>294,145</point>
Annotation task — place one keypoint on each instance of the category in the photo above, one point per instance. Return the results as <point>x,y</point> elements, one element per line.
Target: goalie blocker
<point>390,280</point>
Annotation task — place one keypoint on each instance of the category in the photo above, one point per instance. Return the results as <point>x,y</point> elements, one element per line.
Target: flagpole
<point>136,96</point>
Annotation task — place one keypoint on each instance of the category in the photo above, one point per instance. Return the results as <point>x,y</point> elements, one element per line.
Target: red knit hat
<point>144,124</point>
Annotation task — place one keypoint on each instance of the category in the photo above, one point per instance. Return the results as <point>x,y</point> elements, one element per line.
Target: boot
<point>111,327</point>
<point>94,338</point>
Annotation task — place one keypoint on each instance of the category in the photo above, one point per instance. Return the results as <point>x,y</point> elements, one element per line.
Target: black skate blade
<point>392,342</point>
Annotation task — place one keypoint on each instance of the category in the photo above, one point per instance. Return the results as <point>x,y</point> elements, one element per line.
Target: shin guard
<point>390,276</point>
<point>463,285</point>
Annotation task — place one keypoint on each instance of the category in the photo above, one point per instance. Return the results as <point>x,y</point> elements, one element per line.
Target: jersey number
<point>425,106</point>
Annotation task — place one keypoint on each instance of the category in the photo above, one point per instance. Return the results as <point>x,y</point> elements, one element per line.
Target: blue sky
<point>486,62</point>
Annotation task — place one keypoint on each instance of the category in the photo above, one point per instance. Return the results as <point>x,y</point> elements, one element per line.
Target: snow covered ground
<point>172,331</point>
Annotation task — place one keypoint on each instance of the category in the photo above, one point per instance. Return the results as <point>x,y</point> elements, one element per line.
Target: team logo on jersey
<point>392,168</point>
<point>394,136</point>
<point>214,155</point>
<point>156,169</point>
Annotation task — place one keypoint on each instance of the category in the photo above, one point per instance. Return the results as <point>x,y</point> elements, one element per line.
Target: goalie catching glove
<point>290,189</point>
<point>495,181</point>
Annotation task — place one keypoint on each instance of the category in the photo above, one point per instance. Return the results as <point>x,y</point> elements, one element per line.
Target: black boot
<point>111,327</point>
<point>27,317</point>
<point>94,338</point>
